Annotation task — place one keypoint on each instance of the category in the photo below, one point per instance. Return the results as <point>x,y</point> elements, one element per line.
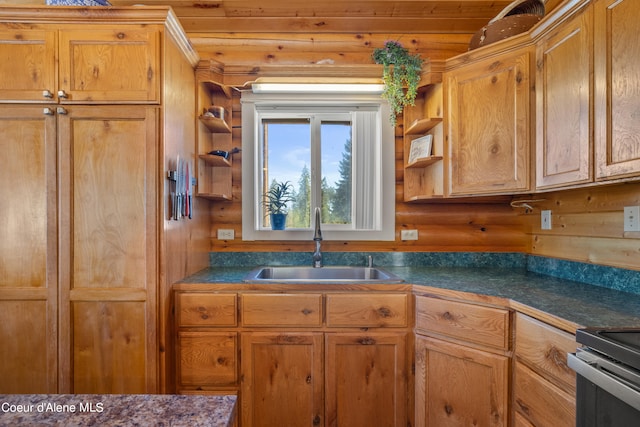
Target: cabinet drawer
<point>542,403</point>
<point>473,323</point>
<point>206,309</point>
<point>207,358</point>
<point>546,348</point>
<point>371,310</point>
<point>282,309</point>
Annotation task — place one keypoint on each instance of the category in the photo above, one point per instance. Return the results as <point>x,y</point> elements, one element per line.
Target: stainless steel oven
<point>608,377</point>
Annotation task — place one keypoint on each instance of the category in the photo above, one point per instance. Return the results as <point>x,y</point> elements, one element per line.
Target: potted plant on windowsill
<point>275,203</point>
<point>400,70</point>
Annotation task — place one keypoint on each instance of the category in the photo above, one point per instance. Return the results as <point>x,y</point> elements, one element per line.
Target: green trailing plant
<point>276,199</point>
<point>401,75</point>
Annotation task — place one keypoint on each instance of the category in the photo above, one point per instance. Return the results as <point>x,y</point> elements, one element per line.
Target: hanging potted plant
<point>275,203</point>
<point>401,75</point>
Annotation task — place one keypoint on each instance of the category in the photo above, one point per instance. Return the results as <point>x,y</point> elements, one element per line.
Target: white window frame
<point>383,138</point>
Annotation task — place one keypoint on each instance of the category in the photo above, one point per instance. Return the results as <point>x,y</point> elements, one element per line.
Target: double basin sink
<point>321,275</point>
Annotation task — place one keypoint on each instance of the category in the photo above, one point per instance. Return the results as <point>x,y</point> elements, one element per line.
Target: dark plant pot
<point>278,221</point>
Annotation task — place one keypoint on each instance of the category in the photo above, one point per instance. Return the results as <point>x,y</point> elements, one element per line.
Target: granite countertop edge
<point>584,305</point>
<point>117,410</point>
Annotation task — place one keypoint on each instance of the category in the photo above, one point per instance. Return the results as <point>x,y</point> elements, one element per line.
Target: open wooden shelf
<point>215,125</point>
<point>423,162</point>
<point>421,126</point>
<point>214,196</point>
<point>216,161</point>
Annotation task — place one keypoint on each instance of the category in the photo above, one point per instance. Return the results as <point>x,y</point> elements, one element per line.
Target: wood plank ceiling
<point>343,32</point>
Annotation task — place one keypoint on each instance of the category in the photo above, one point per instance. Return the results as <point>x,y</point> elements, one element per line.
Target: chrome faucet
<point>317,237</point>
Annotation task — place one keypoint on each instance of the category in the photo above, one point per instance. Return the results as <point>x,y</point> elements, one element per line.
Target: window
<point>336,152</point>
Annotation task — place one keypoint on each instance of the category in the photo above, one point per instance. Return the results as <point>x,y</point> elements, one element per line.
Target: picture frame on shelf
<point>420,148</point>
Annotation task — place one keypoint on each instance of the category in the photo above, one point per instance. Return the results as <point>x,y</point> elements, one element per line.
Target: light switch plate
<point>632,218</point>
<point>226,234</point>
<point>409,234</point>
<point>545,220</point>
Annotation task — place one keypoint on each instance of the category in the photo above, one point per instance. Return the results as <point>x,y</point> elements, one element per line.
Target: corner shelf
<point>421,126</point>
<point>424,178</point>
<point>215,125</point>
<point>424,162</point>
<point>215,161</point>
<point>214,172</point>
<point>215,197</point>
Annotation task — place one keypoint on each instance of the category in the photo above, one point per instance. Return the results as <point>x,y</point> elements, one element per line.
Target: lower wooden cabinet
<point>298,358</point>
<point>541,402</point>
<point>366,379</point>
<point>459,386</point>
<point>282,379</point>
<point>543,383</point>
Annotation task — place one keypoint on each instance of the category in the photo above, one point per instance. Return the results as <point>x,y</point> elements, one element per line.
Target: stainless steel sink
<point>321,275</point>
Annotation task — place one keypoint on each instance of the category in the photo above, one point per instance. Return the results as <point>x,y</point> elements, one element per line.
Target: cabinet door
<point>282,379</point>
<point>488,125</point>
<point>108,249</point>
<point>28,251</point>
<point>541,402</point>
<point>107,64</point>
<point>207,359</point>
<point>616,77</point>
<point>563,102</point>
<point>457,386</point>
<point>366,380</point>
<point>27,64</point>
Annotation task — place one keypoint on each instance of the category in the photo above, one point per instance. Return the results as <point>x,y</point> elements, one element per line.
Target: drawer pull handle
<point>308,379</point>
<point>367,341</point>
<point>448,409</point>
<point>203,313</point>
<point>384,312</point>
<point>306,311</point>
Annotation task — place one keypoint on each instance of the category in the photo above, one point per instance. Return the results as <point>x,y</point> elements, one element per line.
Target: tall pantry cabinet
<point>85,117</point>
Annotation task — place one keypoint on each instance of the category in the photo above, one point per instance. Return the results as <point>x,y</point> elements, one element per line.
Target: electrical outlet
<point>409,234</point>
<point>632,218</point>
<point>225,234</point>
<point>545,220</point>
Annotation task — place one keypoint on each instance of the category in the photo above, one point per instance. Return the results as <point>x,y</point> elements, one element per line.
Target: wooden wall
<point>587,223</point>
<point>587,226</point>
<point>441,227</point>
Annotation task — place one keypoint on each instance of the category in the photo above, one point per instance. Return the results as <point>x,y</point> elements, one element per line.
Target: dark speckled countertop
<point>111,410</point>
<point>576,302</point>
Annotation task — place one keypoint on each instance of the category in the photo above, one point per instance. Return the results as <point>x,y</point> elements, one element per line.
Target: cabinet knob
<point>62,94</point>
<point>317,420</point>
<point>61,110</point>
<point>47,94</point>
<point>47,111</point>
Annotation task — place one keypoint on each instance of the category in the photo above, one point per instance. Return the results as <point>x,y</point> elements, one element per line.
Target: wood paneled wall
<point>441,226</point>
<point>587,225</point>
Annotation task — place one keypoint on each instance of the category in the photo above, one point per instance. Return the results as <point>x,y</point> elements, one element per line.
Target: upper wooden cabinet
<point>586,96</point>
<point>69,64</point>
<point>488,123</point>
<point>564,143</point>
<point>617,85</point>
